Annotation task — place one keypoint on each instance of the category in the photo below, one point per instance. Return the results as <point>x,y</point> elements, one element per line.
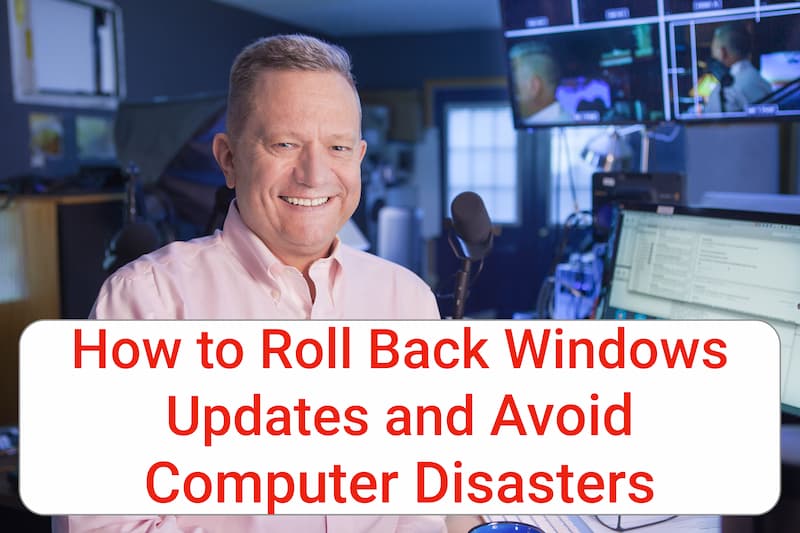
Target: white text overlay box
<point>399,417</point>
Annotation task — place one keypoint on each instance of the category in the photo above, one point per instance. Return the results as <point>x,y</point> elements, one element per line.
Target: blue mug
<point>505,527</point>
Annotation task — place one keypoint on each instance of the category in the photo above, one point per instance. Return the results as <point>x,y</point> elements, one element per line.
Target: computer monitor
<point>760,83</point>
<point>588,73</point>
<point>697,263</point>
<point>752,201</point>
<point>612,189</point>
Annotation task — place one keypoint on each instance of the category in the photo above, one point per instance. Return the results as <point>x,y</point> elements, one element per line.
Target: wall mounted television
<point>615,62</point>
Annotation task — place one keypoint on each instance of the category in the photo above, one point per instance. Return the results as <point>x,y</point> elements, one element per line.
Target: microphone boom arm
<point>462,284</point>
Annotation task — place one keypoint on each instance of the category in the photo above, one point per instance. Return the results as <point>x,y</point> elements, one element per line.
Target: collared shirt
<point>553,113</point>
<point>748,87</point>
<point>249,524</point>
<point>233,275</point>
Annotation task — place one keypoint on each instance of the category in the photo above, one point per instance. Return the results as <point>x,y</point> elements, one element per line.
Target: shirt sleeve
<point>421,524</point>
<point>413,299</point>
<point>244,524</point>
<point>119,524</point>
<point>131,294</point>
<point>430,308</point>
<point>410,298</point>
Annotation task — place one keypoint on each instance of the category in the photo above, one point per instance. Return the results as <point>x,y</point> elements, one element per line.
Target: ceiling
<point>345,18</point>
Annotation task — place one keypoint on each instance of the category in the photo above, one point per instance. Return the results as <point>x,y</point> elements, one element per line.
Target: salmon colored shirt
<point>233,275</point>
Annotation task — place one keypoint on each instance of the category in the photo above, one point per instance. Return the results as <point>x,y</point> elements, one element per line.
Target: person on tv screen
<point>536,75</point>
<point>740,83</point>
<point>293,151</point>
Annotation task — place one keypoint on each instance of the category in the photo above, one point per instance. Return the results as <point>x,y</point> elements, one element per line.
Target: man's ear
<point>725,55</point>
<point>363,148</point>
<point>536,85</point>
<point>223,153</point>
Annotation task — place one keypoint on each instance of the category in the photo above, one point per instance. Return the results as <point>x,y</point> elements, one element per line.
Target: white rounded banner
<point>399,417</point>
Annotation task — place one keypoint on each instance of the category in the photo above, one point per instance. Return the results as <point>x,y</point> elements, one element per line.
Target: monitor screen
<point>692,263</point>
<point>612,189</point>
<point>580,62</point>
<point>735,65</point>
<point>604,75</point>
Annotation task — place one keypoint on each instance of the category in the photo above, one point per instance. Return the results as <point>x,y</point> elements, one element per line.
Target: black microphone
<point>222,201</point>
<point>723,75</point>
<point>718,69</point>
<point>472,226</point>
<point>132,241</point>
<point>473,230</point>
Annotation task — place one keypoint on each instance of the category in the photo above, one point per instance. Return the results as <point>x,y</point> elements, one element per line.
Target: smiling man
<point>294,156</point>
<point>293,152</point>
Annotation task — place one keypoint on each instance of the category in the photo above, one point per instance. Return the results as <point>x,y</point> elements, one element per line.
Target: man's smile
<point>305,202</point>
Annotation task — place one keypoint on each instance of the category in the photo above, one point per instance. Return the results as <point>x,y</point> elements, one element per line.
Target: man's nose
<point>312,167</point>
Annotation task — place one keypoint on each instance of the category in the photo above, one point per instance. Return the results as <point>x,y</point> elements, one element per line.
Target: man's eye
<point>284,145</point>
<point>339,148</point>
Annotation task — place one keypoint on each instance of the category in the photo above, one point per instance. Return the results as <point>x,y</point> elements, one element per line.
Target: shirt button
<point>275,293</point>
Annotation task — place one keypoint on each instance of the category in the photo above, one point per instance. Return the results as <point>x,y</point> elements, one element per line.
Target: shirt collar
<point>551,112</point>
<point>326,273</point>
<point>737,67</point>
<point>259,261</point>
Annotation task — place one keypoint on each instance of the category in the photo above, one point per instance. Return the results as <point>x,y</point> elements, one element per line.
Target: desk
<point>51,253</point>
<point>13,514</point>
<point>9,498</point>
<point>783,518</point>
<point>790,445</point>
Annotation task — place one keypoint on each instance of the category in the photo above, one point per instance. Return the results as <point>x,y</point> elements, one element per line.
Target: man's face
<point>525,84</point>
<point>296,164</point>
<point>718,52</point>
<point>529,89</point>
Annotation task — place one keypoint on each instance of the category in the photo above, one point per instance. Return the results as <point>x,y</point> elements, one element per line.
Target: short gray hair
<point>537,58</point>
<point>735,37</point>
<point>280,52</point>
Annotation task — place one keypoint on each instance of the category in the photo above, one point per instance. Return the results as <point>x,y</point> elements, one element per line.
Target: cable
<point>473,280</point>
<point>473,277</point>
<point>576,219</point>
<point>570,176</point>
<point>665,137</point>
<point>546,295</point>
<point>562,237</point>
<point>557,201</point>
<point>619,527</point>
<point>545,298</point>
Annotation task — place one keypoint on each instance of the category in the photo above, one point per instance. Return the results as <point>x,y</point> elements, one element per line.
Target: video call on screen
<point>640,61</point>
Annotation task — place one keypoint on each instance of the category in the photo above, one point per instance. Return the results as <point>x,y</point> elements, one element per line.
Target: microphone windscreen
<point>470,219</point>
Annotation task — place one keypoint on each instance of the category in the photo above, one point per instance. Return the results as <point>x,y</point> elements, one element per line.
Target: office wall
<point>178,47</point>
<point>406,61</point>
<point>732,157</point>
<point>172,48</point>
